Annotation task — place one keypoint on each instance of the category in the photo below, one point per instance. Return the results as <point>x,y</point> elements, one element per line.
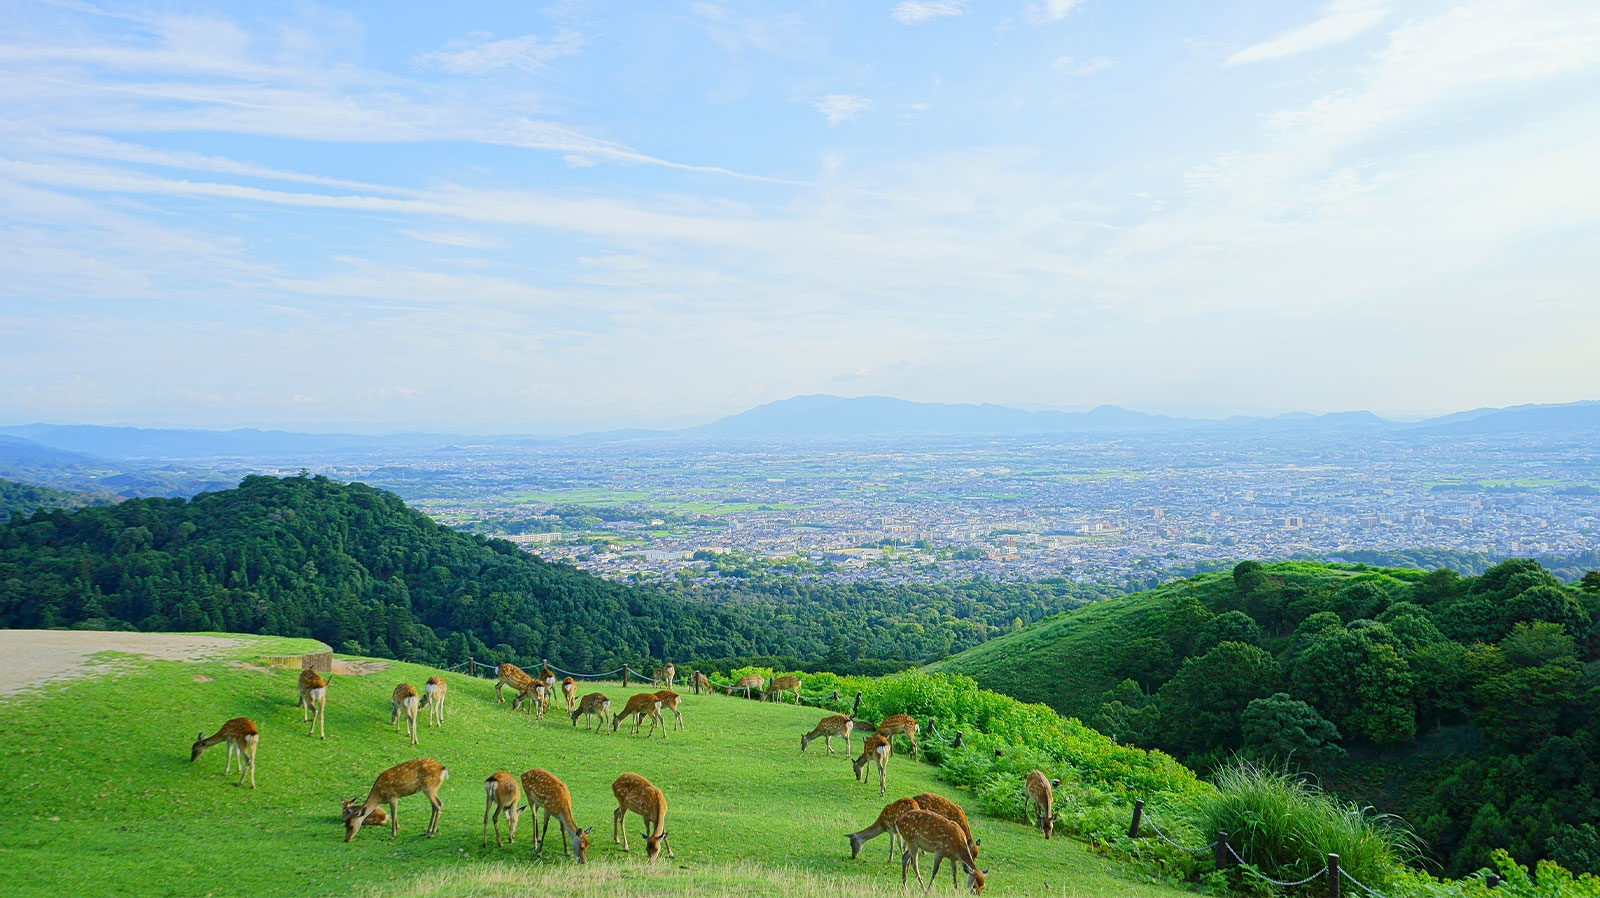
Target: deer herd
<point>923,824</point>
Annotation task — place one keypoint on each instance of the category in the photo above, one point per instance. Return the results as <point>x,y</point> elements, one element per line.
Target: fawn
<point>242,736</point>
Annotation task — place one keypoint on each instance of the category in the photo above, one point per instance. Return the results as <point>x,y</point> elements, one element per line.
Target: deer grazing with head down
<point>501,794</point>
<point>781,685</point>
<point>314,700</point>
<point>539,695</point>
<point>638,707</point>
<point>668,699</point>
<point>827,728</point>
<point>637,794</point>
<point>900,725</point>
<point>748,682</point>
<point>404,702</point>
<point>548,794</point>
<point>569,691</point>
<point>1041,800</point>
<point>923,830</point>
<point>513,676</point>
<point>348,806</point>
<point>949,810</point>
<point>888,819</point>
<point>433,693</point>
<point>700,683</point>
<point>423,775</point>
<point>875,749</point>
<point>665,675</point>
<point>242,736</point>
<point>594,704</point>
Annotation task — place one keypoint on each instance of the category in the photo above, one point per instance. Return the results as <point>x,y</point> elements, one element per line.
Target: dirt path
<point>34,656</point>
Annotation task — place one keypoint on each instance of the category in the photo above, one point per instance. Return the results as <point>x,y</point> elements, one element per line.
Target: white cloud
<point>911,12</point>
<point>1340,22</point>
<point>1070,66</point>
<point>479,54</point>
<point>1051,10</point>
<point>461,239</point>
<point>841,108</point>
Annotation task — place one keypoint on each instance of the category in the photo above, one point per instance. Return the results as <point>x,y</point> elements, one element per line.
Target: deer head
<point>198,747</point>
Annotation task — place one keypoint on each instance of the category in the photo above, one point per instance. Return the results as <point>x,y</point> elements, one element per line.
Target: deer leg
<point>934,873</point>
<point>322,721</point>
<point>544,833</point>
<point>394,818</point>
<point>882,781</point>
<point>252,752</point>
<point>487,804</point>
<point>433,822</point>
<point>513,813</point>
<point>913,747</point>
<point>616,821</point>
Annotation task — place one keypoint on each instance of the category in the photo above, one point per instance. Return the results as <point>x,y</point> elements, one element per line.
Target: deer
<point>569,691</point>
<point>923,830</point>
<point>593,704</point>
<point>513,676</point>
<point>501,794</point>
<point>404,701</point>
<point>668,699</point>
<point>900,725</point>
<point>747,683</point>
<point>637,707</point>
<point>827,728</point>
<point>548,794</point>
<point>539,695</point>
<point>888,819</point>
<point>1041,800</point>
<point>944,807</point>
<point>349,806</point>
<point>699,681</point>
<point>877,749</point>
<point>433,693</point>
<point>779,684</point>
<point>665,675</point>
<point>314,701</point>
<point>242,736</point>
<point>423,775</point>
<point>548,678</point>
<point>637,794</point>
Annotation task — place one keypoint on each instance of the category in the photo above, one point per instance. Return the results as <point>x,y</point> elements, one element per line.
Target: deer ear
<point>984,872</point>
<point>588,831</point>
<point>200,736</point>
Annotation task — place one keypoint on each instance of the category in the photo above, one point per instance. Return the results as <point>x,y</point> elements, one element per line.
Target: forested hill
<point>356,568</point>
<point>1468,705</point>
<point>23,499</point>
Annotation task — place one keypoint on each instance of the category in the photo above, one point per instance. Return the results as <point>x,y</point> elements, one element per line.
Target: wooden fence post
<point>1333,876</point>
<point>855,709</point>
<point>472,668</point>
<point>956,742</point>
<point>624,676</point>
<point>1138,815</point>
<point>1220,856</point>
<point>1492,881</point>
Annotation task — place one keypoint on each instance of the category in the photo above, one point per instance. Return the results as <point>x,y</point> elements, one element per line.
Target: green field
<point>101,799</point>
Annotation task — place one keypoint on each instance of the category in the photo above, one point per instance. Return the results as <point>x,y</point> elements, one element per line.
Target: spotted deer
<point>637,794</point>
<point>595,704</point>
<point>1041,798</point>
<point>242,736</point>
<point>539,695</point>
<point>513,676</point>
<point>668,699</point>
<point>781,685</point>
<point>700,683</point>
<point>548,794</point>
<point>423,775</point>
<point>349,806</point>
<point>500,796</point>
<point>665,675</point>
<point>314,701</point>
<point>404,703</point>
<point>827,728</point>
<point>747,683</point>
<point>888,819</point>
<point>923,830</point>
<point>638,707</point>
<point>944,807</point>
<point>875,749</point>
<point>548,678</point>
<point>433,693</point>
<point>900,725</point>
<point>569,692</point>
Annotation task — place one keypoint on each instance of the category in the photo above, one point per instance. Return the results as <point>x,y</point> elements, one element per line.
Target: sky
<point>526,217</point>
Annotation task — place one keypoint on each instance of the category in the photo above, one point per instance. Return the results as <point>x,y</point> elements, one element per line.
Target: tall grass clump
<point>1286,827</point>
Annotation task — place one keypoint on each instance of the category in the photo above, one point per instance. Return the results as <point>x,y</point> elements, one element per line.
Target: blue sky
<point>537,218</point>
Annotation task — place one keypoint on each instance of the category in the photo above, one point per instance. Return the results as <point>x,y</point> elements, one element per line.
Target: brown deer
<point>665,675</point>
<point>888,819</point>
<point>593,704</point>
<point>779,685</point>
<point>569,691</point>
<point>501,794</point>
<point>923,830</point>
<point>548,794</point>
<point>314,701</point>
<point>423,775</point>
<point>668,699</point>
<point>900,725</point>
<point>876,749</point>
<point>827,728</point>
<point>513,676</point>
<point>1041,799</point>
<point>944,807</point>
<point>548,678</point>
<point>747,683</point>
<point>539,695</point>
<point>433,693</point>
<point>242,736</point>
<point>404,702</point>
<point>637,794</point>
<point>699,681</point>
<point>638,707</point>
<point>349,806</point>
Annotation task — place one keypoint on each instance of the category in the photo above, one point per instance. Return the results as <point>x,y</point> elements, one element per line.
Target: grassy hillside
<point>100,797</point>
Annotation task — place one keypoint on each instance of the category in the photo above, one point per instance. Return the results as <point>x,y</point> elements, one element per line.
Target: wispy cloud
<point>911,12</point>
<point>462,239</point>
<point>841,108</point>
<point>1050,10</point>
<point>1071,66</point>
<point>479,53</point>
<point>1340,21</point>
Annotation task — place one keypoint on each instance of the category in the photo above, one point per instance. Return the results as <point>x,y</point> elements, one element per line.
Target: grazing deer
<point>699,681</point>
<point>539,695</point>
<point>569,691</point>
<point>593,704</point>
<point>1041,800</point>
<point>779,685</point>
<point>668,699</point>
<point>501,794</point>
<point>548,794</point>
<point>747,683</point>
<point>548,678</point>
<point>923,830</point>
<point>637,794</point>
<point>877,749</point>
<point>433,693</point>
<point>404,701</point>
<point>423,775</point>
<point>314,700</point>
<point>665,675</point>
<point>349,806</point>
<point>834,725</point>
<point>241,735</point>
<point>888,819</point>
<point>900,725</point>
<point>944,807</point>
<point>637,707</point>
<point>513,676</point>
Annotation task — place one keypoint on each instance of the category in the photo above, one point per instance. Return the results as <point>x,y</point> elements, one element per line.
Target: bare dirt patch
<point>37,656</point>
<point>358,668</point>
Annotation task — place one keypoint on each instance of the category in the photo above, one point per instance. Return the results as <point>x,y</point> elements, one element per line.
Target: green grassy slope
<point>101,799</point>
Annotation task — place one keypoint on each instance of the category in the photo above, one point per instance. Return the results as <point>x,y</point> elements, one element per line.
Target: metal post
<point>1138,815</point>
<point>1333,876</point>
<point>1220,857</point>
<point>624,676</point>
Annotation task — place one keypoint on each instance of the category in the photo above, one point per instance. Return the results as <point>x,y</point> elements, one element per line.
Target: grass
<point>100,797</point>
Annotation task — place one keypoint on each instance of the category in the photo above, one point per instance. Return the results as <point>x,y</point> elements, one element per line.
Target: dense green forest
<point>1468,705</point>
<point>23,499</point>
<point>354,567</point>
